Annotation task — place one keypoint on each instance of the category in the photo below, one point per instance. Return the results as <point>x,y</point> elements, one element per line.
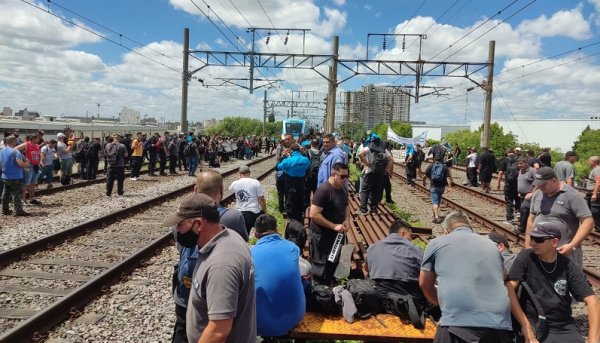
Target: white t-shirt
<point>472,158</point>
<point>247,191</point>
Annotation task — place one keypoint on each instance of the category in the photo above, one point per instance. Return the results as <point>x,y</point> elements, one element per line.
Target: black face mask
<point>188,239</point>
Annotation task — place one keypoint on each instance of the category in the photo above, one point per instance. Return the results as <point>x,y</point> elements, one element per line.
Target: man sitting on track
<point>471,289</point>
<point>394,262</point>
<point>553,279</point>
<point>280,300</point>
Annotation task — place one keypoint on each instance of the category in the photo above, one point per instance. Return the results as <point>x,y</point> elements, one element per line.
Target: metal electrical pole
<point>332,90</point>
<point>488,87</point>
<point>185,80</point>
<point>264,112</point>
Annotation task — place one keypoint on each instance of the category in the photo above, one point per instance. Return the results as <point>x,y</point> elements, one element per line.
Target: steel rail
<point>592,275</point>
<point>36,326</point>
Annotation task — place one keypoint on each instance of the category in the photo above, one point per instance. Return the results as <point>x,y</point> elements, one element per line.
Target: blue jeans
<point>46,174</point>
<point>66,166</point>
<point>192,165</point>
<point>436,195</point>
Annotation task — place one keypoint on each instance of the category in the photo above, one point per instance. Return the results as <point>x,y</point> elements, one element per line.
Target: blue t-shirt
<point>330,158</point>
<point>295,166</point>
<point>280,301</point>
<point>470,278</point>
<point>10,169</point>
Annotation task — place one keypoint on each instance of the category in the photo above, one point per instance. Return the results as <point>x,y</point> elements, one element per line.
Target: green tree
<point>464,139</point>
<point>499,141</point>
<point>355,131</point>
<point>242,126</point>
<point>585,146</point>
<point>401,128</point>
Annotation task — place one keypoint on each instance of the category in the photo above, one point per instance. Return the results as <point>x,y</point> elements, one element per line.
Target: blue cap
<point>546,229</point>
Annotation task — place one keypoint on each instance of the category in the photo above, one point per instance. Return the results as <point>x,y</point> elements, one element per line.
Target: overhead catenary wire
<point>102,36</point>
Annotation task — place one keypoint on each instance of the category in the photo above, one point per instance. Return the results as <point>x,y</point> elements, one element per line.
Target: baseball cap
<point>244,169</point>
<point>517,149</point>
<point>498,238</point>
<point>193,206</point>
<point>60,135</point>
<point>546,229</point>
<point>542,175</point>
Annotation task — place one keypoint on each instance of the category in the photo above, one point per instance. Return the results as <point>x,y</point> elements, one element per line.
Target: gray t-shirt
<point>591,181</point>
<point>61,149</point>
<point>564,170</point>
<point>121,152</point>
<point>470,278</point>
<point>565,208</point>
<point>394,258</point>
<point>223,288</point>
<point>48,155</point>
<point>525,180</point>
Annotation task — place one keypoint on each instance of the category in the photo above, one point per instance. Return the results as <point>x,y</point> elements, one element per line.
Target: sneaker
<point>35,202</point>
<point>518,231</point>
<point>437,220</point>
<point>22,214</point>
<point>508,222</point>
<point>133,179</point>
<point>360,212</point>
<point>7,213</point>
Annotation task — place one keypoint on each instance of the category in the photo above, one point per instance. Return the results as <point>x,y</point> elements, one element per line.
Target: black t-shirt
<point>438,152</point>
<point>487,162</point>
<point>334,203</point>
<point>504,165</point>
<point>552,290</point>
<point>545,160</point>
<point>438,184</point>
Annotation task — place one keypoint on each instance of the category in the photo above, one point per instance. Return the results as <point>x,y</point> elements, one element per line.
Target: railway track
<point>483,222</point>
<point>63,272</point>
<point>494,199</point>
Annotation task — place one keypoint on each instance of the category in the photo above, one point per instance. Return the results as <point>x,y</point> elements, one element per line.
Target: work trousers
<point>387,187</point>
<point>151,161</point>
<point>12,188</point>
<point>162,161</point>
<point>136,165</point>
<point>182,162</point>
<point>179,333</point>
<point>512,199</point>
<point>472,176</point>
<point>281,194</point>
<point>250,219</point>
<point>595,209</point>
<point>117,173</point>
<point>524,212</point>
<point>371,191</point>
<point>92,168</point>
<point>173,164</point>
<point>294,205</point>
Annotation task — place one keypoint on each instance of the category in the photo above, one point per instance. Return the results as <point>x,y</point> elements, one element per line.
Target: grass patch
<point>354,172</point>
<point>273,209</point>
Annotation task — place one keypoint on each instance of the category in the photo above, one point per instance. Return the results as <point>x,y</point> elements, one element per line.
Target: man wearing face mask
<point>222,305</point>
<point>210,183</point>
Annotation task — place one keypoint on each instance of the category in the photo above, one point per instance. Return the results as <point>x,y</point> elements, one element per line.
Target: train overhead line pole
<point>488,87</point>
<point>185,78</point>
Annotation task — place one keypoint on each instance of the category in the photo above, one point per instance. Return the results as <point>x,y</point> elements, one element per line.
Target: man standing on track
<point>294,170</point>
<point>553,279</point>
<point>222,304</point>
<point>115,157</point>
<point>472,167</point>
<point>137,156</point>
<point>486,167</point>
<point>593,187</point>
<point>526,189</point>
<point>440,177</point>
<point>561,204</point>
<point>249,197</point>
<point>377,162</point>
<point>510,171</point>
<point>471,290</point>
<point>329,213</point>
<point>564,169</point>
<point>12,176</point>
<point>332,154</point>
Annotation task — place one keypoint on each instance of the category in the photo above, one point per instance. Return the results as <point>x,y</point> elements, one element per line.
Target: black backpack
<point>315,162</point>
<point>190,149</point>
<point>512,171</point>
<point>365,297</point>
<point>322,300</point>
<point>296,233</point>
<point>379,161</point>
<point>111,153</point>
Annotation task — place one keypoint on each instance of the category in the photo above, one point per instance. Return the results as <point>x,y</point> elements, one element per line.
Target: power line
<point>102,36</point>
<point>111,30</point>
<point>509,110</point>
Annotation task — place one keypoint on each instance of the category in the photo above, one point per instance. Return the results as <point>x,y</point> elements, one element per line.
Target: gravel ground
<point>76,206</point>
<point>140,309</point>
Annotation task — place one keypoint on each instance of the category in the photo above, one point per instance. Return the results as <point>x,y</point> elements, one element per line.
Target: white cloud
<point>566,23</point>
<point>339,2</point>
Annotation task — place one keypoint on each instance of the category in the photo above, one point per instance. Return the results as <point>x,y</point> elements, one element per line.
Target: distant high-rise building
<point>7,111</point>
<point>129,116</point>
<point>373,105</point>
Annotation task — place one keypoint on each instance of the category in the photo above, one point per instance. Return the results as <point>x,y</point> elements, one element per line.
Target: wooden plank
<point>16,313</point>
<point>70,262</point>
<point>33,290</point>
<point>33,274</point>
<point>323,326</point>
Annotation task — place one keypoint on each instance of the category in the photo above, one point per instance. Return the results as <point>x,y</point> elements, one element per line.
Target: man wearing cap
<point>65,154</point>
<point>504,248</point>
<point>280,300</point>
<point>249,197</point>
<point>471,290</point>
<point>564,169</point>
<point>553,279</point>
<point>222,305</point>
<point>294,170</point>
<point>210,183</point>
<point>560,204</point>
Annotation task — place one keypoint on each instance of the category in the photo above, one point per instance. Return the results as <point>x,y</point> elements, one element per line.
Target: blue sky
<point>52,66</point>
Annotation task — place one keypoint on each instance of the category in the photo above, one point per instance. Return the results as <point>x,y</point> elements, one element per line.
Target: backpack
<point>512,171</point>
<point>437,172</point>
<point>190,149</point>
<point>322,300</point>
<point>296,233</point>
<point>365,297</point>
<point>315,162</point>
<point>81,152</point>
<point>379,161</point>
<point>111,153</point>
<point>89,151</point>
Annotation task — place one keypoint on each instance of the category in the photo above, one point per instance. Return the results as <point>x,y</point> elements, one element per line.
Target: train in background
<point>294,126</point>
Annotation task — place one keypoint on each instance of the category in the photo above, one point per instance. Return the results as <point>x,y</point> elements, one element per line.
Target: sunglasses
<point>540,239</point>
<point>343,176</point>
